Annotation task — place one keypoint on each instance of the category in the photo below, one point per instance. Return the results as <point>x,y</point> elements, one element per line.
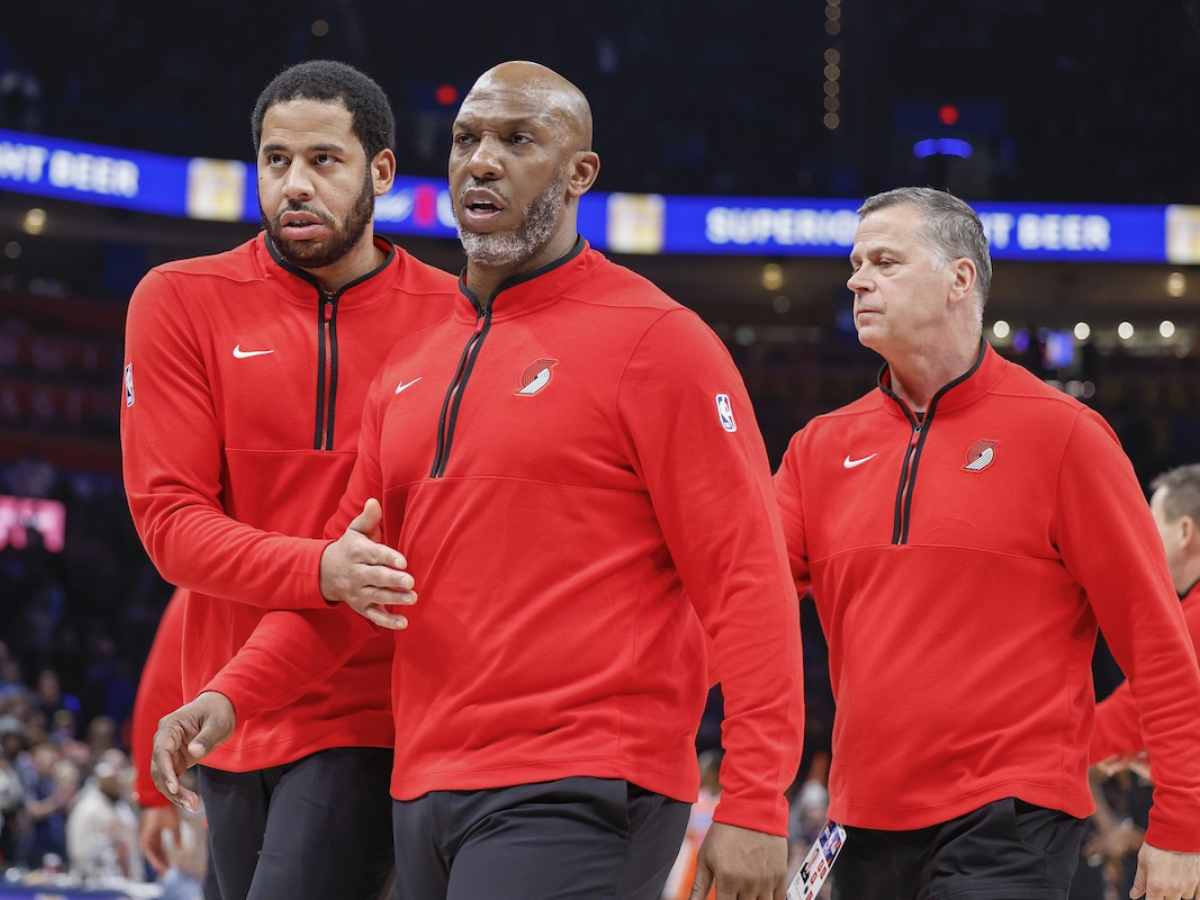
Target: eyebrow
<point>312,148</point>
<point>876,249</point>
<point>512,124</point>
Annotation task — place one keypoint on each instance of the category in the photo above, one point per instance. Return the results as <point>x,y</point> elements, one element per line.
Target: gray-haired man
<point>964,528</point>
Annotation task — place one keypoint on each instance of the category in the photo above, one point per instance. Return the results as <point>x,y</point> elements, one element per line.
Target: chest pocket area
<point>990,493</point>
<point>537,416</point>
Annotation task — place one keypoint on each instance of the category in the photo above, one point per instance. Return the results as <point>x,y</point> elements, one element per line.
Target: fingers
<point>373,596</point>
<point>1139,881</point>
<point>383,618</point>
<point>212,732</point>
<point>368,520</point>
<point>152,847</point>
<point>363,551</point>
<point>703,883</point>
<point>384,578</point>
<point>189,800</point>
<point>163,760</point>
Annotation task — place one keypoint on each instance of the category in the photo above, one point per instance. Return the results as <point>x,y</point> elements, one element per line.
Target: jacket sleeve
<point>1118,730</point>
<point>160,691</point>
<point>291,650</point>
<point>1110,545</point>
<point>172,449</point>
<point>789,490</point>
<point>696,445</point>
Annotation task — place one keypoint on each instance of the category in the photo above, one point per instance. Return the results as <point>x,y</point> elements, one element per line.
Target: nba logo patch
<point>129,385</point>
<point>980,455</point>
<point>725,413</point>
<point>535,377</point>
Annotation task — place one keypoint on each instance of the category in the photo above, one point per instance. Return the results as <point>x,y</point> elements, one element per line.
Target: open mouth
<point>481,206</point>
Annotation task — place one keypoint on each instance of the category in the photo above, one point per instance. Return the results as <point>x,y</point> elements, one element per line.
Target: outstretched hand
<point>365,574</point>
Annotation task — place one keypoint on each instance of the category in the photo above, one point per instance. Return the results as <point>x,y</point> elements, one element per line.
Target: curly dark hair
<point>325,79</point>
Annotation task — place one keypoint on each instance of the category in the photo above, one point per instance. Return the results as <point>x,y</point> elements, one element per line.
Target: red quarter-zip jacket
<point>160,691</point>
<point>576,477</point>
<point>960,564</point>
<point>1118,729</point>
<point>243,393</point>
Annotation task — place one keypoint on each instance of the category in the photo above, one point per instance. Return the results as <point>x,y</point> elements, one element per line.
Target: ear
<point>1187,531</point>
<point>963,276</point>
<point>383,171</point>
<point>585,168</point>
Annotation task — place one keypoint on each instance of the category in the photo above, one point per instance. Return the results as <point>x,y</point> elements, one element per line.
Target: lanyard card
<point>817,863</point>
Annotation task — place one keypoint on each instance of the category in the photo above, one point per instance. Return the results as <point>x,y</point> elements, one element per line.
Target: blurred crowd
<point>64,801</point>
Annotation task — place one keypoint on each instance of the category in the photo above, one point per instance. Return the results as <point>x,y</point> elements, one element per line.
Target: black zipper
<point>327,342</point>
<point>326,399</point>
<point>448,417</point>
<point>902,515</point>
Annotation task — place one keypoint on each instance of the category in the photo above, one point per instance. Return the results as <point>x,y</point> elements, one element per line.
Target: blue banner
<point>624,223</point>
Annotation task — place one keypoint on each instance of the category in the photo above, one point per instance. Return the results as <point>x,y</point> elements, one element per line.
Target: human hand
<point>1138,764</point>
<point>742,864</point>
<point>1114,841</point>
<point>1165,875</point>
<point>156,822</point>
<point>186,736</point>
<point>363,573</point>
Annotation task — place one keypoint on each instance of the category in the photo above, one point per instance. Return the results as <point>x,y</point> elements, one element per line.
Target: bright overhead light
<point>772,277</point>
<point>1001,329</point>
<point>1166,328</point>
<point>1125,331</point>
<point>1083,331</point>
<point>1176,284</point>
<point>35,221</point>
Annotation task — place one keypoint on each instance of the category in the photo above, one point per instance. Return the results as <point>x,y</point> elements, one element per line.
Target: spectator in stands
<point>102,838</point>
<point>46,802</point>
<point>50,697</point>
<point>12,796</point>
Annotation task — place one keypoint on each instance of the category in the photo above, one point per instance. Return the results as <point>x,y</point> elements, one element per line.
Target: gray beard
<point>506,248</point>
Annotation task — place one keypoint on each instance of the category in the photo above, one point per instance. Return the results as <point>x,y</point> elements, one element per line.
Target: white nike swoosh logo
<point>239,353</point>
<point>855,463</point>
<point>405,387</point>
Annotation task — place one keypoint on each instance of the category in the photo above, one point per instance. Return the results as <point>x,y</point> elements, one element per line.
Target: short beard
<point>314,255</point>
<point>506,248</point>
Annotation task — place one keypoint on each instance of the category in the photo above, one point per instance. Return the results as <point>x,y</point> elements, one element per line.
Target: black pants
<point>1006,850</point>
<point>573,839</point>
<point>316,828</point>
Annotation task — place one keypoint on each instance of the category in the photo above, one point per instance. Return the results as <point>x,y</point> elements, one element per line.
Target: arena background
<point>736,141</point>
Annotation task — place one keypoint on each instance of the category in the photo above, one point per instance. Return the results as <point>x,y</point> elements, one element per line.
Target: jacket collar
<point>302,287</point>
<point>1191,594</point>
<point>528,291</point>
<point>971,385</point>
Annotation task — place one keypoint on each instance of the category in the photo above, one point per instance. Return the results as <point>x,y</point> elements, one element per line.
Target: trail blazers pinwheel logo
<point>535,377</point>
<point>980,455</point>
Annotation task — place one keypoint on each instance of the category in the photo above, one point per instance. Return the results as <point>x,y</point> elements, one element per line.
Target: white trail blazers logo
<point>980,455</point>
<point>535,377</point>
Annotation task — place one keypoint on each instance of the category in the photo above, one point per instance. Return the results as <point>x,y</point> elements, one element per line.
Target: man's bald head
<point>556,96</point>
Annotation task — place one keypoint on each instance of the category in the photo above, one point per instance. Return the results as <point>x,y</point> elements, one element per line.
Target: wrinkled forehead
<point>495,105</point>
<point>894,227</point>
